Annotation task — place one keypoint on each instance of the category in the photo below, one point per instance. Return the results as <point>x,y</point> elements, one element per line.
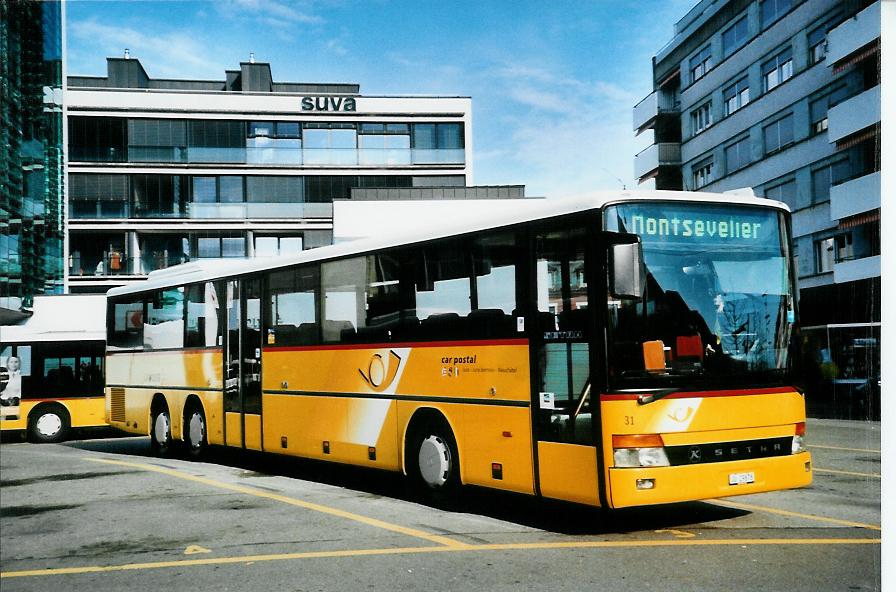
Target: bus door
<point>242,392</point>
<point>564,430</point>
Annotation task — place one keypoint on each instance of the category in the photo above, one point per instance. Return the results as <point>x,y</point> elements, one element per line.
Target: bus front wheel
<point>196,435</point>
<point>433,463</point>
<point>160,433</point>
<point>49,424</point>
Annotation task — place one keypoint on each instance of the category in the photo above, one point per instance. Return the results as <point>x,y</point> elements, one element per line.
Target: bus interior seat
<point>306,334</point>
<point>571,320</point>
<point>443,325</point>
<point>490,322</point>
<point>689,347</point>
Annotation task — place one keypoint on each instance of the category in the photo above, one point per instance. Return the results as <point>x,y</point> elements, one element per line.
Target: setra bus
<point>51,368</point>
<point>617,350</point>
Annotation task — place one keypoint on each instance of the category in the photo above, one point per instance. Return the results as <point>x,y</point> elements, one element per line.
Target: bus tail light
<point>639,450</point>
<point>799,443</point>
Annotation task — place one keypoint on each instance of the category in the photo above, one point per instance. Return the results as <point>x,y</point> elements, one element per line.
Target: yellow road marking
<point>679,534</point>
<point>290,500</point>
<point>854,474</point>
<point>418,550</point>
<point>754,508</point>
<point>846,449</point>
<point>194,549</point>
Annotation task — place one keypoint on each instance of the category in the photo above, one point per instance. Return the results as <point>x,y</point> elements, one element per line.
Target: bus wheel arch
<point>431,457</point>
<point>49,422</point>
<point>195,427</point>
<point>160,426</point>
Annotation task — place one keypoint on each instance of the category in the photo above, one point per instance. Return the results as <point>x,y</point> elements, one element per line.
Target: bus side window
<point>343,302</point>
<point>291,315</point>
<point>495,300</point>
<point>202,316</point>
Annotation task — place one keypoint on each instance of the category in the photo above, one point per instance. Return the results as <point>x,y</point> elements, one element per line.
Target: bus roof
<point>69,317</point>
<point>522,211</point>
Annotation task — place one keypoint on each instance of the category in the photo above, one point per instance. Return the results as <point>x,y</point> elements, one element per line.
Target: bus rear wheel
<point>433,463</point>
<point>48,424</point>
<point>160,433</point>
<point>196,434</point>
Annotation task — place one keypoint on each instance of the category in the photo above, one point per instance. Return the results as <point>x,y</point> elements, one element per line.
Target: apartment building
<point>783,96</point>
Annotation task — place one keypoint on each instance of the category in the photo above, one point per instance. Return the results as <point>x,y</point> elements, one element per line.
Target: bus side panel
<point>683,421</point>
<point>349,426</point>
<point>567,472</point>
<point>491,434</point>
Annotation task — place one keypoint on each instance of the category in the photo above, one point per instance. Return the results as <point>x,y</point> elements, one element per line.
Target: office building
<point>783,96</point>
<point>165,171</point>
<point>31,154</point>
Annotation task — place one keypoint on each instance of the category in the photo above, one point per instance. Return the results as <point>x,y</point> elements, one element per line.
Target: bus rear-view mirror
<point>627,273</point>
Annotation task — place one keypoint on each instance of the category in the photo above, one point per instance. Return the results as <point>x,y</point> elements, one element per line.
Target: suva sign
<point>328,104</point>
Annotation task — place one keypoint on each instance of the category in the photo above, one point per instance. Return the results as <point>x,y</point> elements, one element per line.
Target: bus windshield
<point>717,308</point>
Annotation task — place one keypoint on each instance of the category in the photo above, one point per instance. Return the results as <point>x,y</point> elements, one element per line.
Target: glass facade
<point>268,143</point>
<point>31,184</point>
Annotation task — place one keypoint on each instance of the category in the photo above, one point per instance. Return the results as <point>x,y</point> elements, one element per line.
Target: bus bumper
<point>709,480</point>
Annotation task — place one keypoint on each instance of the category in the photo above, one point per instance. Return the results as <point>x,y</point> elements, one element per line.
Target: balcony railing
<point>854,114</point>
<point>854,33</point>
<point>857,269</point>
<point>651,107</point>
<point>649,160</point>
<point>856,196</point>
<point>335,157</point>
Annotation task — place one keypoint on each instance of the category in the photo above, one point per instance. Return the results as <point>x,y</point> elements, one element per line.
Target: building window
<point>438,143</point>
<point>97,139</point>
<point>772,10</point>
<point>330,143</point>
<point>98,196</point>
<point>220,246</point>
<point>271,246</point>
<point>734,37</point>
<point>818,110</point>
<point>701,64</point>
<point>828,175</point>
<point>702,174</point>
<point>835,249</point>
<point>777,70</point>
<point>384,143</point>
<point>701,117</point>
<point>779,134</point>
<point>817,45</point>
<point>785,192</point>
<point>157,140</point>
<point>737,155</point>
<point>736,96</point>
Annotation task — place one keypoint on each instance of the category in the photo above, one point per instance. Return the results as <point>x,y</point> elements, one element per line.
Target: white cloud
<point>171,53</point>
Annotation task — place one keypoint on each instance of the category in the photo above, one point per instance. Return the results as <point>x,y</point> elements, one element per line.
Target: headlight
<point>640,457</point>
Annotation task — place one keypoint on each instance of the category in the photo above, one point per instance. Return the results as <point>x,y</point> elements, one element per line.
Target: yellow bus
<point>51,368</point>
<point>615,350</point>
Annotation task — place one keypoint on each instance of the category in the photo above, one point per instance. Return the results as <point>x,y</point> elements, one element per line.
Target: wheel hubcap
<point>160,429</point>
<point>197,430</point>
<point>49,424</point>
<point>435,461</point>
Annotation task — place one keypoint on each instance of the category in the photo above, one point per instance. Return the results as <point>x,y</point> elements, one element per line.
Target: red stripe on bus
<point>396,345</point>
<point>85,398</point>
<point>702,394</point>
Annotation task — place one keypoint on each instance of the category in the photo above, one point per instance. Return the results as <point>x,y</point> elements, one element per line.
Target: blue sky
<point>553,83</point>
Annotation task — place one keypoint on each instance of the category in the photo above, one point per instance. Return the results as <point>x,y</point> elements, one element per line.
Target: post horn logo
<point>681,415</point>
<point>380,374</point>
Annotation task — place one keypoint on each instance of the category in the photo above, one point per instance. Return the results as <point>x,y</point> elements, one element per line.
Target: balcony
<point>651,107</point>
<point>649,160</point>
<point>855,196</point>
<point>853,34</point>
<point>855,114</point>
<point>857,269</point>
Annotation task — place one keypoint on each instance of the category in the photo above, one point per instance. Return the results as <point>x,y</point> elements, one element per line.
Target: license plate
<point>741,478</point>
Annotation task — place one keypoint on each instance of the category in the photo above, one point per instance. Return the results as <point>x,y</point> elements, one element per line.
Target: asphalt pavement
<point>103,514</point>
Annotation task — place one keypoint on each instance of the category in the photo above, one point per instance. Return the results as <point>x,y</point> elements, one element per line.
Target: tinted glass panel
<point>165,320</point>
<point>292,307</point>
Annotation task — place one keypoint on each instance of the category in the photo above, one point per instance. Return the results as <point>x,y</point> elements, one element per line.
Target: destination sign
<point>661,222</point>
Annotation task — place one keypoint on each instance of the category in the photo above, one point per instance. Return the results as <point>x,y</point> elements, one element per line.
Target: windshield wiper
<point>656,395</point>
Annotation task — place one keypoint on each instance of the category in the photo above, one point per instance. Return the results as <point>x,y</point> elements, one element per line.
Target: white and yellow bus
<point>51,368</point>
<point>618,350</point>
